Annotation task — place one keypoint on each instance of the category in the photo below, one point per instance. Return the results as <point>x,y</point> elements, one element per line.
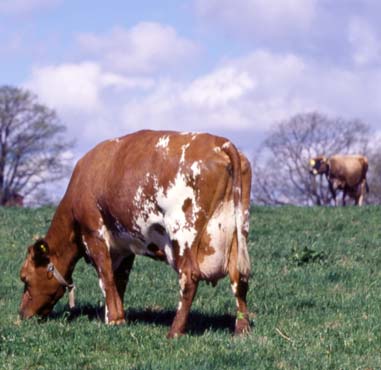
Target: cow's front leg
<point>188,288</point>
<point>122,268</point>
<point>100,254</point>
<point>333,192</point>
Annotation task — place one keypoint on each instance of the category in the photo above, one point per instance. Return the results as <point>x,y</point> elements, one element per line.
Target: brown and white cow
<point>178,197</point>
<point>343,172</point>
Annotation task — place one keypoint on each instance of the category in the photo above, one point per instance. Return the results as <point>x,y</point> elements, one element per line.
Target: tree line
<point>33,147</point>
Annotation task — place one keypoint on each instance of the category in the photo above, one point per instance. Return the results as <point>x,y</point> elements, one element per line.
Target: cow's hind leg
<point>240,286</point>
<point>360,193</point>
<point>100,255</point>
<point>188,288</point>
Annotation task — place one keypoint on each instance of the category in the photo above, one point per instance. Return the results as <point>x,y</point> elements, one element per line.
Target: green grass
<point>315,296</point>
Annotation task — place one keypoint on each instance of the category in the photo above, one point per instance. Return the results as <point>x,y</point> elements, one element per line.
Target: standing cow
<point>178,197</point>
<point>343,172</point>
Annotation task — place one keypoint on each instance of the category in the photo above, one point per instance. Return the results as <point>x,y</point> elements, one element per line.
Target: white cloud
<point>366,44</point>
<point>254,92</point>
<point>68,86</point>
<point>25,6</point>
<point>246,94</point>
<point>79,86</point>
<point>218,88</point>
<point>259,17</point>
<point>147,47</point>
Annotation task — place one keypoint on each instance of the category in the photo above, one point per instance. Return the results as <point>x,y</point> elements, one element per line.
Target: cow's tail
<point>241,218</point>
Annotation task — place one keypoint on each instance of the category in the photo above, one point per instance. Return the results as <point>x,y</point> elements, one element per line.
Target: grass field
<point>315,298</point>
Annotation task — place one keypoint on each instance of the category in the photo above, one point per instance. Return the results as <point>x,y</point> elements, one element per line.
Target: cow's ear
<point>41,252</point>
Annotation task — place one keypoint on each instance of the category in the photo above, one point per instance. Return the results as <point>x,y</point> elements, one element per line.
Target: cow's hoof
<point>116,322</point>
<point>173,335</point>
<point>242,327</point>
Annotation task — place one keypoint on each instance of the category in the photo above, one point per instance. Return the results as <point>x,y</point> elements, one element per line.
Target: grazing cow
<point>182,198</point>
<point>343,172</point>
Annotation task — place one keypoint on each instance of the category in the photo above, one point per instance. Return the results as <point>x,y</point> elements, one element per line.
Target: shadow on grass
<point>198,322</point>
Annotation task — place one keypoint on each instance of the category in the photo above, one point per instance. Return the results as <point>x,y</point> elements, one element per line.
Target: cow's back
<point>350,169</point>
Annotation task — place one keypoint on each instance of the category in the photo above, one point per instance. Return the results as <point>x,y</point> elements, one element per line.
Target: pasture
<point>315,299</point>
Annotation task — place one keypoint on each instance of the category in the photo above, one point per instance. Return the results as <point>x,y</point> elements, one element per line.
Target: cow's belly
<point>216,243</point>
<point>153,242</point>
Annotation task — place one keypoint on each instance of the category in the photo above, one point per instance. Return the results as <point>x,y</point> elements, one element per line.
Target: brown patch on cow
<point>176,251</point>
<point>205,248</point>
<point>187,204</point>
<point>188,211</point>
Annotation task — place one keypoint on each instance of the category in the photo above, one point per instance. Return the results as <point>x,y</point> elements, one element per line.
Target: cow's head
<point>41,290</point>
<point>318,165</point>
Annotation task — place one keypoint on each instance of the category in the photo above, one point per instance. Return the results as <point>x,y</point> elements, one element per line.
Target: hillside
<point>315,298</point>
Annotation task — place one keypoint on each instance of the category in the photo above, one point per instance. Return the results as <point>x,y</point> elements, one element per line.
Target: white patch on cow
<point>237,190</point>
<point>246,223</point>
<point>314,171</point>
<point>220,229</point>
<point>175,220</point>
<point>183,150</point>
<point>176,224</point>
<point>196,168</point>
<point>169,254</point>
<point>217,149</point>
<point>226,145</point>
<point>182,282</point>
<point>234,287</point>
<point>138,195</point>
<point>163,142</point>
<point>106,314</point>
<point>101,285</point>
<point>179,306</point>
<point>86,246</point>
<point>104,234</point>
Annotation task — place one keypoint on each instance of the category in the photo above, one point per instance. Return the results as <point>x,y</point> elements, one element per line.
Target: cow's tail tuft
<point>243,259</point>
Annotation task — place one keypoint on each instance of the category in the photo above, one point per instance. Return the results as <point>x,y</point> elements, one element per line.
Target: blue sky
<point>228,67</point>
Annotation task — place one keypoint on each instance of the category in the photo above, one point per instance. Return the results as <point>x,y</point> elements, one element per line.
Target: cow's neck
<point>61,238</point>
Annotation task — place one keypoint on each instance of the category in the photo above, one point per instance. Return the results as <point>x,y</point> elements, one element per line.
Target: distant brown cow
<point>343,172</point>
<point>182,198</point>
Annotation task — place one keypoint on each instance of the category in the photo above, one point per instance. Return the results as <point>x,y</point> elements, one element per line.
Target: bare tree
<point>32,145</point>
<point>281,164</point>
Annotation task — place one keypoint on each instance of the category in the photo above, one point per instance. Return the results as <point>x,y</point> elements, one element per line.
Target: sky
<point>232,68</point>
